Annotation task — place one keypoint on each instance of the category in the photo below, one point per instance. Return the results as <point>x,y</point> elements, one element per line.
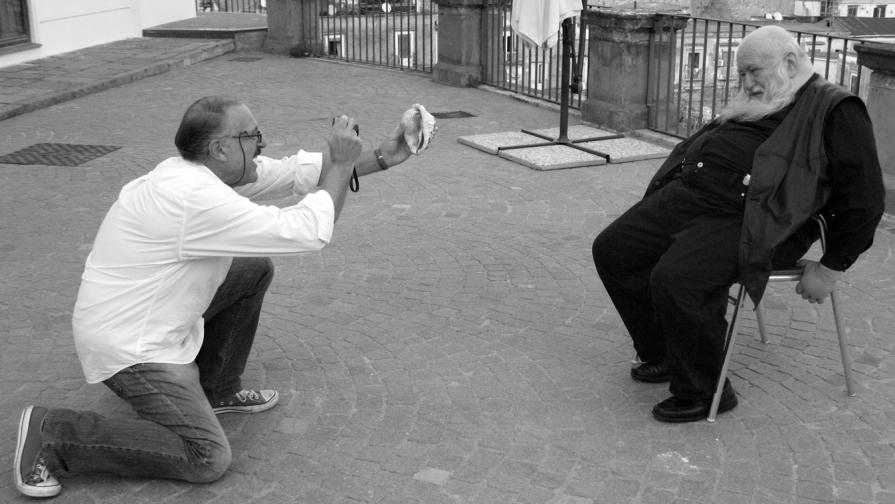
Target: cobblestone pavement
<point>40,83</point>
<point>453,344</point>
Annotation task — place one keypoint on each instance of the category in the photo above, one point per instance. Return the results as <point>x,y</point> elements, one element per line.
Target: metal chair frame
<point>739,302</point>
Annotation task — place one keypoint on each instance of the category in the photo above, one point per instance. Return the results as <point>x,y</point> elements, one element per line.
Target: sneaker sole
<point>256,408</point>
<point>29,490</point>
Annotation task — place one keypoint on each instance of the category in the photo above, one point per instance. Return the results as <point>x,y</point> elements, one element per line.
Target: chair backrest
<point>822,224</point>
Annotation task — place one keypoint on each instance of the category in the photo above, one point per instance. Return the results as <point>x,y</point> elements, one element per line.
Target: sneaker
<point>30,470</point>
<point>246,401</point>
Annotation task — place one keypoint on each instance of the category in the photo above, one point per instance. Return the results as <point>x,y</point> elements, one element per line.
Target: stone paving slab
<point>575,132</point>
<point>552,157</point>
<point>625,150</point>
<point>493,142</point>
<point>545,155</point>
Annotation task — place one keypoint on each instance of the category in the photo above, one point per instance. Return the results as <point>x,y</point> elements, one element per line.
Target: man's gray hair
<point>201,122</point>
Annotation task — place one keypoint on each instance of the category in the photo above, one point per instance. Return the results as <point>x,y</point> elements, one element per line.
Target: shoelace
<point>38,474</point>
<point>245,395</point>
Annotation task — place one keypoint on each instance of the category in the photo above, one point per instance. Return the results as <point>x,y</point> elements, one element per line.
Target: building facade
<point>32,29</point>
<point>844,8</point>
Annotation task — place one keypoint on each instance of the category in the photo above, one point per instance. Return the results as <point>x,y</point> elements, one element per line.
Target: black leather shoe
<point>655,372</point>
<point>677,409</point>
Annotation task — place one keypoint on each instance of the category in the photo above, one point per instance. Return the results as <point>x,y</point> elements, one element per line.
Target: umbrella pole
<point>568,40</point>
<point>565,79</point>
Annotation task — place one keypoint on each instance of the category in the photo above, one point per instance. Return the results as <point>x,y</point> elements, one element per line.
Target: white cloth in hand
<point>419,128</point>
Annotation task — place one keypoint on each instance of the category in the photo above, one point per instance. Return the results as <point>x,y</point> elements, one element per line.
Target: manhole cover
<point>455,114</point>
<point>57,154</point>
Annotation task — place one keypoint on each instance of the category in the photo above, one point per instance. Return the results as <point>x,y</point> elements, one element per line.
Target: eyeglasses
<point>245,134</point>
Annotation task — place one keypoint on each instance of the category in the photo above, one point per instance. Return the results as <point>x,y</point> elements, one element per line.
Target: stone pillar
<point>292,27</point>
<point>618,79</point>
<point>459,42</point>
<point>880,58</point>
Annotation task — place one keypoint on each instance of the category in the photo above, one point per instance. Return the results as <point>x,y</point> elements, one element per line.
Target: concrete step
<point>248,31</point>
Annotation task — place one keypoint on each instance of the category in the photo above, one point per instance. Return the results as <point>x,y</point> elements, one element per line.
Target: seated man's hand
<point>817,281</point>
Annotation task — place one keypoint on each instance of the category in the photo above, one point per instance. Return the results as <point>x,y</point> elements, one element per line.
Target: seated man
<point>172,291</point>
<point>730,203</point>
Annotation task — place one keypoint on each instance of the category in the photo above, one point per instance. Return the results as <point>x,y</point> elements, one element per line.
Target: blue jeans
<point>177,435</point>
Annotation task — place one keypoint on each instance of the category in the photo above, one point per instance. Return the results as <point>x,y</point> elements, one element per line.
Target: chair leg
<point>732,329</point>
<point>759,317</point>
<point>843,345</point>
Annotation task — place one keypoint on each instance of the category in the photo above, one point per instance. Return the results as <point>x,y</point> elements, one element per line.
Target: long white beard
<point>745,108</point>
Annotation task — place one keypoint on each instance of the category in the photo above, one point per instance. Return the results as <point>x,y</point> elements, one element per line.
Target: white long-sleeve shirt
<point>166,245</point>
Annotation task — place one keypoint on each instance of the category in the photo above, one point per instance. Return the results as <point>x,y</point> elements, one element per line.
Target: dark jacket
<point>789,181</point>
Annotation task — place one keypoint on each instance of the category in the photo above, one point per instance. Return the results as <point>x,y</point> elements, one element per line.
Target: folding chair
<point>739,301</point>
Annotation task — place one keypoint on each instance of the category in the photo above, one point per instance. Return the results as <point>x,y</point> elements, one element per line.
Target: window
<point>879,11</point>
<point>852,11</point>
<point>14,27</point>
<point>333,45</point>
<point>693,65</point>
<point>723,58</point>
<point>509,45</point>
<point>404,44</point>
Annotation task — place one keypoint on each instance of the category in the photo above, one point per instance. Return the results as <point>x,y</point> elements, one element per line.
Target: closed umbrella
<point>537,22</point>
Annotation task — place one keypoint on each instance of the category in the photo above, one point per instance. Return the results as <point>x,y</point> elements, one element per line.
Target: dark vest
<point>789,182</point>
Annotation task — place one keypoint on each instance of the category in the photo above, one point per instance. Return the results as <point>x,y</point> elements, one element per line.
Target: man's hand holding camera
<point>344,157</point>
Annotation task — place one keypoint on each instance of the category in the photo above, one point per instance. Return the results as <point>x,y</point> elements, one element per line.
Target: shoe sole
<point>256,408</point>
<point>29,490</point>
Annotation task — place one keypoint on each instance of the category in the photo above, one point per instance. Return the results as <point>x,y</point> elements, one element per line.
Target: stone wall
<point>715,9</point>
<point>880,58</point>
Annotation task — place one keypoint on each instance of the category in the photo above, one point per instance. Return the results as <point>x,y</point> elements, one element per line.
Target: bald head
<point>771,42</point>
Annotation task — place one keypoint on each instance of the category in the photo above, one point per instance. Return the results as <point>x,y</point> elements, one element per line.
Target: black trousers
<point>668,264</point>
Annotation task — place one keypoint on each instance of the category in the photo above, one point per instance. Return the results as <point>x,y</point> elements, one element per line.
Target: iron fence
<point>245,6</point>
<point>392,33</point>
<point>397,34</point>
<point>511,63</point>
<point>693,71</point>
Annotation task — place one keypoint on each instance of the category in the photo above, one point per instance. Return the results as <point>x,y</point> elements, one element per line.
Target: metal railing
<point>244,6</point>
<point>398,34</point>
<point>393,33</point>
<point>511,63</point>
<point>693,71</point>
